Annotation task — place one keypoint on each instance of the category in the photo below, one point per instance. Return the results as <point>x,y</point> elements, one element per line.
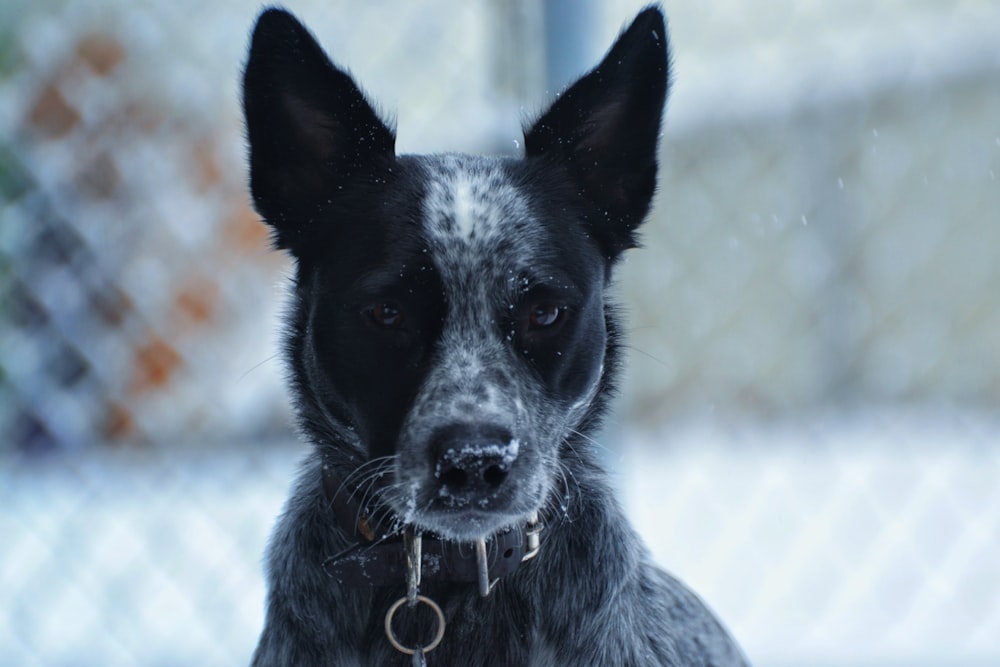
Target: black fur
<point>451,352</point>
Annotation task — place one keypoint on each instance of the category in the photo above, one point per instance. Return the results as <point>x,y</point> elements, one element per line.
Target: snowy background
<point>809,430</point>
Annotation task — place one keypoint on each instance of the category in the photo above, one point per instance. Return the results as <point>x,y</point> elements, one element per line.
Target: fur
<point>451,350</point>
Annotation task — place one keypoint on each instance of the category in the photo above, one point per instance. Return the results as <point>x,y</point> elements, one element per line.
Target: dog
<point>451,351</point>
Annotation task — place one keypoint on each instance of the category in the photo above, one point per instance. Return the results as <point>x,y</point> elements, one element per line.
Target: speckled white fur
<point>480,232</point>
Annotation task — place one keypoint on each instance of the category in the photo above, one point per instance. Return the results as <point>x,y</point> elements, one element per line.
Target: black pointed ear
<point>605,129</point>
<point>309,128</point>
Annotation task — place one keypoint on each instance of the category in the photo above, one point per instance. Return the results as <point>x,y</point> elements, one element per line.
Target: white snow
<point>506,453</point>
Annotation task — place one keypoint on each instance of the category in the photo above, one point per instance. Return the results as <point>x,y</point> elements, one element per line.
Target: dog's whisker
<point>588,438</point>
<point>368,471</point>
<point>648,355</point>
<point>383,516</point>
<point>367,467</point>
<point>369,481</point>
<point>371,491</point>
<point>250,370</point>
<point>569,481</point>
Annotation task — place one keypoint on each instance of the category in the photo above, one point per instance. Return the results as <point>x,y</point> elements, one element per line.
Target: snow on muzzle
<point>472,463</point>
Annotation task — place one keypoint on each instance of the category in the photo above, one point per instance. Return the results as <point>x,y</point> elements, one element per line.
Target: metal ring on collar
<point>392,636</point>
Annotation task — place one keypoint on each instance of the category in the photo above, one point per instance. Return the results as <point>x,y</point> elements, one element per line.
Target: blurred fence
<point>844,252</point>
<point>123,207</point>
<point>826,241</point>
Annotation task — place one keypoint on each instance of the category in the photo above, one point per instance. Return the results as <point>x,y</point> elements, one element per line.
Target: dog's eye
<point>385,315</point>
<point>545,315</point>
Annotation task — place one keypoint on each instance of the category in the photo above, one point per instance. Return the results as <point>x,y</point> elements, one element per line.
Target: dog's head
<point>449,332</point>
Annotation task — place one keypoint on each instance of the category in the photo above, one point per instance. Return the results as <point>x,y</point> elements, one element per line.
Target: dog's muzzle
<point>380,559</point>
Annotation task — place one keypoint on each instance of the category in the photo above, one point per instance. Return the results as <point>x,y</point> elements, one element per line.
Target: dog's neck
<point>377,556</point>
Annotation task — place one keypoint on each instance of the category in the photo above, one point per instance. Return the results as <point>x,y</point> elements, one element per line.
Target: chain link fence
<point>808,432</point>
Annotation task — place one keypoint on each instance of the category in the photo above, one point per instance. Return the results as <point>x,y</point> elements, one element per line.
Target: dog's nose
<point>472,460</point>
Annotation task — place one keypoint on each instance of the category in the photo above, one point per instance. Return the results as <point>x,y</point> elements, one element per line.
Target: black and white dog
<point>451,348</point>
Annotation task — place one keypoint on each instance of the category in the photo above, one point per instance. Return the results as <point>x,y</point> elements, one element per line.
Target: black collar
<point>379,558</point>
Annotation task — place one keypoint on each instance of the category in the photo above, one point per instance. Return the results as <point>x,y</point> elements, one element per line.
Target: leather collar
<point>379,558</point>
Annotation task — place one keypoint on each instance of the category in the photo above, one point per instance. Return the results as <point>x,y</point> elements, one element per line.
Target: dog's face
<point>449,326</point>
